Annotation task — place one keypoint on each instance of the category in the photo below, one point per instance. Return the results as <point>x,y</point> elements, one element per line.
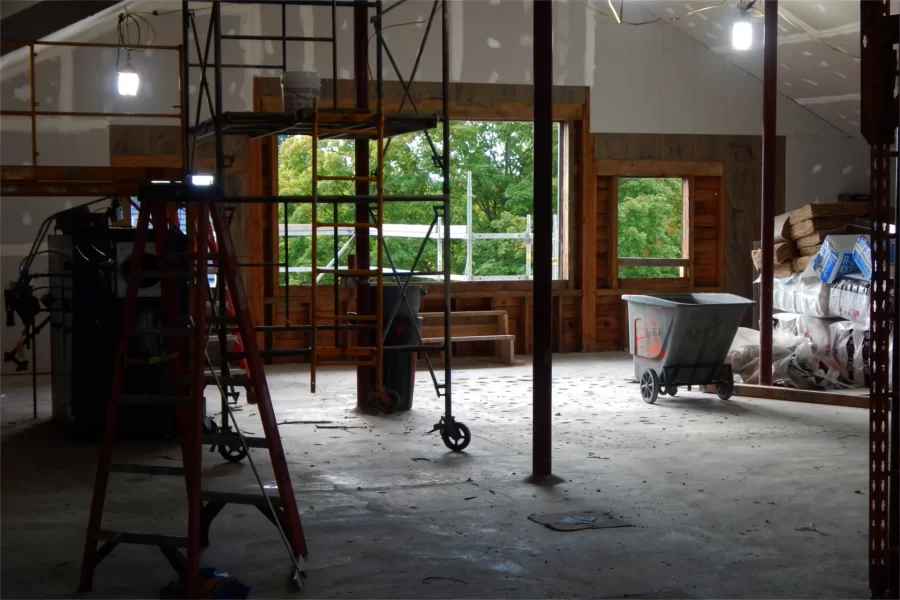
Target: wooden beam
<point>202,164</point>
<point>768,392</point>
<point>654,262</point>
<point>588,233</point>
<point>68,188</point>
<point>612,227</point>
<point>657,168</point>
<point>11,174</point>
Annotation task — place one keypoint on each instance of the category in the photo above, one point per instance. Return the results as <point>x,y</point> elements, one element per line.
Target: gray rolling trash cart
<point>683,339</point>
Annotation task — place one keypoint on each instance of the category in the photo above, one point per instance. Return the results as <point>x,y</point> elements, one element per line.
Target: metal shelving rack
<point>209,55</point>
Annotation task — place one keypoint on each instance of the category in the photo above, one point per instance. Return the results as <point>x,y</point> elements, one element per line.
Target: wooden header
<point>606,167</point>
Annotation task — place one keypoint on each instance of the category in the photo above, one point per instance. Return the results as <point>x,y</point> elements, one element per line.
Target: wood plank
<point>687,230</point>
<point>708,186</point>
<point>657,168</point>
<point>660,283</point>
<point>612,219</point>
<point>30,174</point>
<point>706,221</point>
<point>653,262</point>
<point>807,396</point>
<point>815,211</point>
<point>589,201</point>
<point>705,233</point>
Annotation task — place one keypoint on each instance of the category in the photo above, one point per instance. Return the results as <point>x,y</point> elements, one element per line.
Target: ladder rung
<point>346,178</point>
<point>233,439</point>
<point>214,339</point>
<point>163,331</point>
<point>285,352</point>
<point>346,272</point>
<point>238,498</point>
<point>348,225</point>
<point>330,351</point>
<point>154,400</point>
<point>332,131</point>
<point>172,274</point>
<point>340,363</point>
<point>146,469</point>
<point>148,539</point>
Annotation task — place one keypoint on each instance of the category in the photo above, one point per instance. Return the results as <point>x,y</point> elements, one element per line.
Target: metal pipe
<point>185,103</point>
<point>542,284</point>
<point>287,246</point>
<point>56,113</point>
<point>340,3</point>
<point>16,42</point>
<point>275,38</point>
<point>392,7</point>
<point>364,375</point>
<point>334,56</point>
<point>445,188</point>
<point>33,111</point>
<point>767,208</point>
<point>470,238</point>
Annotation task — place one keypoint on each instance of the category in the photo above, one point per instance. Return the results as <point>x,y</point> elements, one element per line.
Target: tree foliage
<point>498,154</point>
<point>650,225</point>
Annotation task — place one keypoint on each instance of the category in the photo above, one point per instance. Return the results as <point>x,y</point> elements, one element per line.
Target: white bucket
<point>299,89</point>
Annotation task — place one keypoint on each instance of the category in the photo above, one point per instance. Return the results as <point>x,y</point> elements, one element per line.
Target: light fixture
<point>128,78</point>
<point>202,179</point>
<point>742,30</point>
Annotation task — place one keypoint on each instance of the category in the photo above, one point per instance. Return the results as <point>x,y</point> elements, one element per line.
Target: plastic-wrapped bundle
<point>804,295</point>
<point>850,347</point>
<point>850,298</point>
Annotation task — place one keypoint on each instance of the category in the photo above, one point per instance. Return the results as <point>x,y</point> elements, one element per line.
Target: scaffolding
<point>362,124</point>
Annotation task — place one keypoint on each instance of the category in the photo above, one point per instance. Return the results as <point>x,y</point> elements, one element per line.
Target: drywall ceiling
<point>823,79</point>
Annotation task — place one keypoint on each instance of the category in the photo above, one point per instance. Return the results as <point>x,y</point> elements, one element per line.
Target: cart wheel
<point>459,443</point>
<point>233,454</point>
<point>386,402</point>
<point>671,390</point>
<point>725,389</point>
<point>649,386</point>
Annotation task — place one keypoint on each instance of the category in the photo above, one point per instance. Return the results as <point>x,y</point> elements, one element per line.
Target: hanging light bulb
<point>742,30</point>
<point>128,79</point>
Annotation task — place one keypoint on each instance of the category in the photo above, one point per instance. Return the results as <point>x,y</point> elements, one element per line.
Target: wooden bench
<point>473,326</point>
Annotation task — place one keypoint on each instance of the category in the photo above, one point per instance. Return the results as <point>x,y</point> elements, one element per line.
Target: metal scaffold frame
<point>880,37</point>
<point>362,125</point>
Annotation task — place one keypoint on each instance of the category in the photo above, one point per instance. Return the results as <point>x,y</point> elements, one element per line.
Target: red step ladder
<point>185,340</point>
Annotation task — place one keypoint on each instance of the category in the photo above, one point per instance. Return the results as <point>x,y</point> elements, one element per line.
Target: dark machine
<point>88,271</point>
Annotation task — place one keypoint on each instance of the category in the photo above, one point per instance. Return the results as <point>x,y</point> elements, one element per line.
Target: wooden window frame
<point>686,171</point>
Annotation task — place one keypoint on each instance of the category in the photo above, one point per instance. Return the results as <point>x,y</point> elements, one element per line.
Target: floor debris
<point>570,522</point>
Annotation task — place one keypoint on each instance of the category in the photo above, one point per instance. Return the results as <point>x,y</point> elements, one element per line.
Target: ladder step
<point>156,274</point>
<point>162,331</point>
<point>346,178</point>
<point>346,272</point>
<point>147,539</point>
<point>154,400</point>
<point>233,439</point>
<point>146,469</point>
<point>238,498</point>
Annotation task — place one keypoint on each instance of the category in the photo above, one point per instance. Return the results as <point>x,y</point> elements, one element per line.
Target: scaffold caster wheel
<point>725,389</point>
<point>650,386</point>
<point>456,436</point>
<point>386,401</point>
<point>233,454</point>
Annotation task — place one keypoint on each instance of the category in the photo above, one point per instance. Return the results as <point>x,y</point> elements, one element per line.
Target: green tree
<point>650,225</point>
<point>498,154</point>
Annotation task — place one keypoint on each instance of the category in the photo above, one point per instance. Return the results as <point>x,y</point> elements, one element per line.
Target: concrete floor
<point>747,498</point>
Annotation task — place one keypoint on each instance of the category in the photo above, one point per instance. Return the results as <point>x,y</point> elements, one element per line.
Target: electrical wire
<point>808,34</point>
<point>383,29</point>
<point>126,20</point>
<point>718,5</point>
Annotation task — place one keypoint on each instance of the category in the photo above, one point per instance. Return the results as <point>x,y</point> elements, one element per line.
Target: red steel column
<point>542,285</point>
<point>767,225</point>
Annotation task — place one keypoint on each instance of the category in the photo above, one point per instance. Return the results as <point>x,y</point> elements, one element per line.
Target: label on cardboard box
<point>835,258</point>
<point>862,255</point>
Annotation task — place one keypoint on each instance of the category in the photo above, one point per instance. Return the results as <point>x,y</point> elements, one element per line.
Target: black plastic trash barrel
<point>398,369</point>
